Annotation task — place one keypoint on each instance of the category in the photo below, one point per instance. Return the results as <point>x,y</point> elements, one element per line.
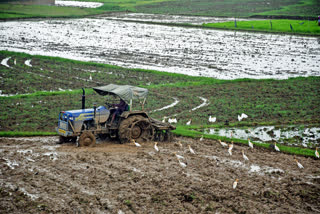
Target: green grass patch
<point>282,26</point>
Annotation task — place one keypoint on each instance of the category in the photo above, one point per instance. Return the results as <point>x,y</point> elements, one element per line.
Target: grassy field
<point>54,84</point>
<point>229,8</point>
<point>283,25</point>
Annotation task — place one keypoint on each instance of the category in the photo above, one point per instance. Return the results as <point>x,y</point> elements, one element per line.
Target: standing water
<point>292,135</point>
<point>192,51</point>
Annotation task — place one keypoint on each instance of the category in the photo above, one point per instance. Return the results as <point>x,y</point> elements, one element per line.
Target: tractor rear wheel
<point>137,128</point>
<point>87,139</point>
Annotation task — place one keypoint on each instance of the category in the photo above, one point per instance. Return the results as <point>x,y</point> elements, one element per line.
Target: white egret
<point>250,144</point>
<point>191,150</point>
<point>223,143</point>
<point>184,165</point>
<point>244,156</point>
<point>178,156</point>
<point>230,149</point>
<point>212,119</point>
<point>299,164</point>
<point>156,147</point>
<point>276,147</point>
<point>189,122</point>
<point>135,143</point>
<point>235,183</point>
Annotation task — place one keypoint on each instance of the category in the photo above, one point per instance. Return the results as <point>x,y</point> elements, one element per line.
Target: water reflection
<point>292,135</point>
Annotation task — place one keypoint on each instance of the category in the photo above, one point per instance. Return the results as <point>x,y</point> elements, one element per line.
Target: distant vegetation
<point>227,8</point>
<point>9,11</point>
<point>283,25</point>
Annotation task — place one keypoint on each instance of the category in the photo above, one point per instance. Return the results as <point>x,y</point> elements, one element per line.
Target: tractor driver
<point>121,107</point>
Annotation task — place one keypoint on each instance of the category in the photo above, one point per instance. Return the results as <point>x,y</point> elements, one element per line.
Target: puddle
<point>197,52</point>
<point>292,135</point>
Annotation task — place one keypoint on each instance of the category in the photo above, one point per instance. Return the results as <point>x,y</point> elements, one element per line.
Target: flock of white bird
<point>183,164</point>
<point>211,119</point>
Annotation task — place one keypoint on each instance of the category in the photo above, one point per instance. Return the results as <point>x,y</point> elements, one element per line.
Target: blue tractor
<point>83,126</point>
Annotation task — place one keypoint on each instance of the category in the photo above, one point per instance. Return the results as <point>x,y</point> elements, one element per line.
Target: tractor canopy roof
<point>125,92</point>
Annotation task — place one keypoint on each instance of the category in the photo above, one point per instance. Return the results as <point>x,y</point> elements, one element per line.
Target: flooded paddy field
<point>40,176</point>
<point>288,135</point>
<point>198,52</point>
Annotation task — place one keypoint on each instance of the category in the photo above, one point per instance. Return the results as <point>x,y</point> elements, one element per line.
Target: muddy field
<point>40,176</point>
<point>198,52</point>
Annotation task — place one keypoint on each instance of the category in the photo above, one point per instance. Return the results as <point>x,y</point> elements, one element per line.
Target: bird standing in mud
<point>299,164</point>
<point>135,143</point>
<point>235,183</point>
<point>230,149</point>
<point>156,147</point>
<point>316,152</point>
<point>180,144</point>
<point>184,165</point>
<point>223,143</point>
<point>189,122</point>
<point>250,144</point>
<point>201,138</point>
<point>191,150</point>
<point>244,156</point>
<point>276,147</point>
<point>178,156</point>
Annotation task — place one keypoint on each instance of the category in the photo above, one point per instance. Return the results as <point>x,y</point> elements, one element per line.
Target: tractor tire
<point>87,139</point>
<point>137,128</point>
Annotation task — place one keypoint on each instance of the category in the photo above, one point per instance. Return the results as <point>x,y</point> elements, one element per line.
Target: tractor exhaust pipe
<point>83,99</point>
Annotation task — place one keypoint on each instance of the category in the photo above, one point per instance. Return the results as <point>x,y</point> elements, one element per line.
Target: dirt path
<point>38,175</point>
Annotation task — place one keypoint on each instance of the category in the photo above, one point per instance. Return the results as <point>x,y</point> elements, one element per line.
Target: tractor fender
<point>126,114</point>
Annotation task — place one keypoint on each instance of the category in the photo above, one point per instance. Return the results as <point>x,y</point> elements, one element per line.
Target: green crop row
<point>275,26</point>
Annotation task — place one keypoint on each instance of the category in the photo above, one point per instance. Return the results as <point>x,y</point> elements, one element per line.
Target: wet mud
<point>40,175</point>
<point>192,51</point>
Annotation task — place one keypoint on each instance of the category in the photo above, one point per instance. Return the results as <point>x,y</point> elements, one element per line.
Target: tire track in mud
<point>107,175</point>
<point>54,176</point>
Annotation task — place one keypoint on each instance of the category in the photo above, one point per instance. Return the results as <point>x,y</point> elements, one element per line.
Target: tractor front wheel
<point>87,139</point>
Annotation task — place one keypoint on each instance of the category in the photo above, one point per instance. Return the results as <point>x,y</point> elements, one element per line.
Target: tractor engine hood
<point>85,114</point>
